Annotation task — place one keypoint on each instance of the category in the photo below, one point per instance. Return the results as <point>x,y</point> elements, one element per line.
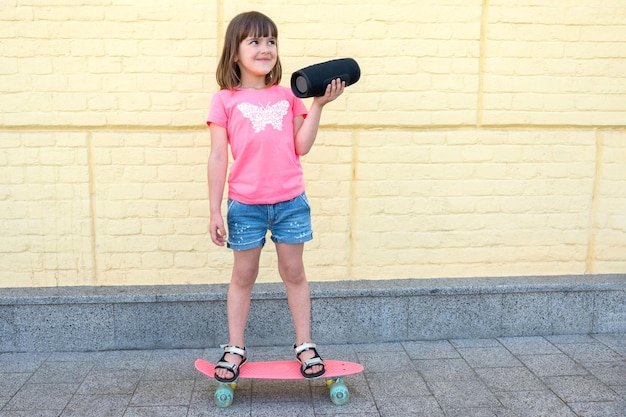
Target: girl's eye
<point>255,41</point>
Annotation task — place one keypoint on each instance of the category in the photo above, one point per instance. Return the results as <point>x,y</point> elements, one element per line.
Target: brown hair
<point>255,24</point>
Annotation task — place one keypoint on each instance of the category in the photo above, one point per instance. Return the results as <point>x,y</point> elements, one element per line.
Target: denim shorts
<point>289,222</point>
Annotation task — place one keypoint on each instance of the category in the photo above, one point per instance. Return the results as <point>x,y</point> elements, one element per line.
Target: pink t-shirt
<point>259,123</point>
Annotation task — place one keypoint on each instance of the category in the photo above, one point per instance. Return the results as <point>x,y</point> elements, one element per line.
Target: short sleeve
<point>217,111</point>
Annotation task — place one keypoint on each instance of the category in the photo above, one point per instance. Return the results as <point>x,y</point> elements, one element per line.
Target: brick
<point>9,66</point>
<point>104,65</point>
<point>134,243</point>
<point>190,260</point>
<point>157,260</point>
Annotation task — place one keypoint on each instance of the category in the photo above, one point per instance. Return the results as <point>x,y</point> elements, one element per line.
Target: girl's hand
<point>333,90</point>
<point>218,231</point>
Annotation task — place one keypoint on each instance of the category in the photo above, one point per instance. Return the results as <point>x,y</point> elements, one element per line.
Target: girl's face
<point>256,58</point>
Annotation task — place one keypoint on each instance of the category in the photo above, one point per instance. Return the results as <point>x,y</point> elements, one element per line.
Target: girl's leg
<point>291,269</point>
<point>245,271</point>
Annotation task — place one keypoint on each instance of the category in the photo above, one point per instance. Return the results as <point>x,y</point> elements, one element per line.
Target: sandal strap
<point>229,366</point>
<point>309,363</point>
<point>234,350</point>
<point>316,360</point>
<point>304,347</point>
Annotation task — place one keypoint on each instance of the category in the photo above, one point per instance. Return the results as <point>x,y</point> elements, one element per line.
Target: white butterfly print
<point>260,116</point>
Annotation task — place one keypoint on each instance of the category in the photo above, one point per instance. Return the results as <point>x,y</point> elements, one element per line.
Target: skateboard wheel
<point>223,396</point>
<point>339,393</point>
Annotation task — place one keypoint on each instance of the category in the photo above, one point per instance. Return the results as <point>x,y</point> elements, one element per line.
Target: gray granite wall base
<point>162,317</point>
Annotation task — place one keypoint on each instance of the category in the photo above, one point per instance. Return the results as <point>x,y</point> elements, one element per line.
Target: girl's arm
<point>305,129</point>
<point>216,172</point>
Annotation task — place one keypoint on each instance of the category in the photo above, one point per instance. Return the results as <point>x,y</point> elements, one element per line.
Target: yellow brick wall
<point>485,138</point>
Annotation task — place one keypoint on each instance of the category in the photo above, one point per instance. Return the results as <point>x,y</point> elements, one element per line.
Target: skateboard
<point>283,370</point>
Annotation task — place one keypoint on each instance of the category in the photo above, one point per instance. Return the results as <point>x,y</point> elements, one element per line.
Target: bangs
<point>258,26</point>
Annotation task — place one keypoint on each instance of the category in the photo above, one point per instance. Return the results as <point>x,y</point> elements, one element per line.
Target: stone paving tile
<point>495,357</point>
<point>589,352</point>
<point>170,369</point>
<point>620,390</point>
<point>96,406</point>
<point>437,349</point>
<point>10,383</point>
<point>125,359</point>
<point>162,393</point>
<point>277,408</point>
<point>41,397</point>
<point>368,347</point>
<point>110,382</point>
<point>474,343</point>
<point>617,342</point>
<point>162,411</point>
<point>403,384</point>
<point>564,339</point>
<point>611,373</point>
<point>528,345</point>
<point>552,365</point>
<point>421,406</point>
<point>599,409</point>
<point>21,362</point>
<point>75,356</point>
<point>31,413</point>
<point>510,379</point>
<point>379,362</point>
<point>65,372</point>
<point>280,392</point>
<point>445,369</point>
<point>534,404</point>
<point>480,412</point>
<point>471,393</point>
<point>580,388</point>
<point>555,376</point>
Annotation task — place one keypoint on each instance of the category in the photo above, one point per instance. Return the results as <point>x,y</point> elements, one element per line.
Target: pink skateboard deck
<point>287,370</point>
<point>283,369</point>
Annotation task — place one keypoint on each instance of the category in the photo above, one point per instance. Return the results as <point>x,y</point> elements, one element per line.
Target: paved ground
<point>577,375</point>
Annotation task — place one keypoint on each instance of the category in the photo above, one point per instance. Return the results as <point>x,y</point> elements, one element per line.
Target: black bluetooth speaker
<point>313,80</point>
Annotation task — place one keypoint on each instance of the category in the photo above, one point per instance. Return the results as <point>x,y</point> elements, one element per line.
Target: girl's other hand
<point>218,231</point>
<point>333,90</point>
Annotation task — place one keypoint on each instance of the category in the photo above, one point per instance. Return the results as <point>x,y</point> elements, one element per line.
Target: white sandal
<point>309,363</point>
<point>229,366</point>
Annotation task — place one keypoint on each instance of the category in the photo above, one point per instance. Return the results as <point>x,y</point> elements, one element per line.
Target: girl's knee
<point>244,278</point>
<point>292,271</point>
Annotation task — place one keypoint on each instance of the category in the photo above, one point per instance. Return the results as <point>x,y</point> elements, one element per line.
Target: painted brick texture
<point>485,138</point>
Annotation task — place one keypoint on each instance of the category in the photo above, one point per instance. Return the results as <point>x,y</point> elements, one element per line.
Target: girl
<point>268,129</point>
